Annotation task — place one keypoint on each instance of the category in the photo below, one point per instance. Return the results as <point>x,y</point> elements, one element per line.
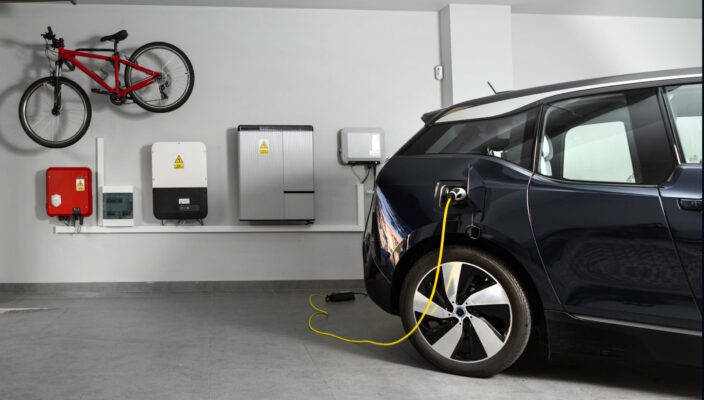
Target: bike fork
<point>57,89</point>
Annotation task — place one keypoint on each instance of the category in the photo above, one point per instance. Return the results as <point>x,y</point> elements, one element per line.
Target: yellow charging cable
<point>319,311</point>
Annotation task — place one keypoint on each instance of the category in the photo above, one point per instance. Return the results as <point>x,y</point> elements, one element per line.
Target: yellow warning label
<point>178,164</point>
<point>80,185</point>
<point>263,146</point>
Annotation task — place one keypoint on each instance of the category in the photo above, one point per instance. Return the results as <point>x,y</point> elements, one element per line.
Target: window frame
<point>670,124</point>
<point>664,116</point>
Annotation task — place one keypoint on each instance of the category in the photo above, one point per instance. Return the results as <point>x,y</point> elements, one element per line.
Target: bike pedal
<point>99,91</point>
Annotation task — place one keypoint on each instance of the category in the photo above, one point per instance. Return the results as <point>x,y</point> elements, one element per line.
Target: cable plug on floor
<point>341,296</point>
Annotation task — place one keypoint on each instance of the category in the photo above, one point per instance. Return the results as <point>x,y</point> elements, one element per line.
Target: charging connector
<point>458,193</point>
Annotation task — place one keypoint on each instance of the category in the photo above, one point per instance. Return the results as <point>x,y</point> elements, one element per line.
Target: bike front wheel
<point>55,117</point>
<point>175,85</point>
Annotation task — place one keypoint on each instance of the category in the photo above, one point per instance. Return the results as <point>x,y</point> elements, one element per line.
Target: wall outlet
<point>439,73</point>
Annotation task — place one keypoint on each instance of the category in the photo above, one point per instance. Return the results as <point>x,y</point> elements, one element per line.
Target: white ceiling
<point>635,8</point>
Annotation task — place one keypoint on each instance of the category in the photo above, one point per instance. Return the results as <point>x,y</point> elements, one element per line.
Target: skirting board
<point>358,227</point>
<point>178,286</point>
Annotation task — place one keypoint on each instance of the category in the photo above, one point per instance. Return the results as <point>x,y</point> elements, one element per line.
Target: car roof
<point>503,102</point>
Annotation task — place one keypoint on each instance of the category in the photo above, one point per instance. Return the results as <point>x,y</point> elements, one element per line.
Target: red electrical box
<point>69,192</point>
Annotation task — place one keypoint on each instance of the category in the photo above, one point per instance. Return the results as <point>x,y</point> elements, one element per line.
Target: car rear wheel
<point>479,322</point>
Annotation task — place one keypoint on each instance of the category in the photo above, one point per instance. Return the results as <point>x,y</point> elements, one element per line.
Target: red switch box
<point>69,192</point>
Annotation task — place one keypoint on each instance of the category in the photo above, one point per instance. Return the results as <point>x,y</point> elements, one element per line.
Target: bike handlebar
<point>49,35</point>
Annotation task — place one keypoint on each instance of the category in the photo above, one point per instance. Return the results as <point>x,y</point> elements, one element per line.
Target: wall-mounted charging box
<point>361,145</point>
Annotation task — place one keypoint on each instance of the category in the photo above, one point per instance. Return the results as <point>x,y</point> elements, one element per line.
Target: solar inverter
<point>179,180</point>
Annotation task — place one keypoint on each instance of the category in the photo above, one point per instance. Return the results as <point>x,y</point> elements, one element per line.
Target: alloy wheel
<point>470,317</point>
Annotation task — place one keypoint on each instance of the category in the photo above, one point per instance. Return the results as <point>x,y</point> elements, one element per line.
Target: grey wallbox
<point>361,145</point>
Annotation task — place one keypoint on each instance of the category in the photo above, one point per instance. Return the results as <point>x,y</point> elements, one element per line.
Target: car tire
<point>490,324</point>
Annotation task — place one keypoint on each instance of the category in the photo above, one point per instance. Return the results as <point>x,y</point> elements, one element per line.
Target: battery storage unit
<point>179,180</point>
<point>69,192</point>
<point>276,173</point>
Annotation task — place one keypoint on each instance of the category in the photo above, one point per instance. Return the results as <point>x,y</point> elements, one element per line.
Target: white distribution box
<point>117,205</point>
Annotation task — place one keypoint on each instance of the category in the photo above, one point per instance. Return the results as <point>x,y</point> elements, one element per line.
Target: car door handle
<point>690,204</point>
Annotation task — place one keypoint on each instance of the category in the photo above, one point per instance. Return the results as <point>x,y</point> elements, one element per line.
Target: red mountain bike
<point>55,112</point>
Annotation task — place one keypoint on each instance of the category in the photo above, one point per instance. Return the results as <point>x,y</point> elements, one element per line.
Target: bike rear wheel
<point>50,123</point>
<point>172,89</point>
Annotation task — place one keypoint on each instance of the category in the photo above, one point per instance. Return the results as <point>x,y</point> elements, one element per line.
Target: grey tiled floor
<point>256,345</point>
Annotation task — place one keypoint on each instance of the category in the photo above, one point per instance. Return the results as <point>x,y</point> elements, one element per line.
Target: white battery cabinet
<point>276,180</point>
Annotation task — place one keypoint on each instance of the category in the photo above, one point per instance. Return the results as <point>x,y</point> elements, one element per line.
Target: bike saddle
<point>115,37</point>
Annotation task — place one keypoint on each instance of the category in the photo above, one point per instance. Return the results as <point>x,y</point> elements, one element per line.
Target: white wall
<point>328,68</point>
<point>556,48</point>
<point>475,49</point>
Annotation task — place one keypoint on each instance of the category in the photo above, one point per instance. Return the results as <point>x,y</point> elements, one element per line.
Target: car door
<point>682,193</point>
<point>596,211</point>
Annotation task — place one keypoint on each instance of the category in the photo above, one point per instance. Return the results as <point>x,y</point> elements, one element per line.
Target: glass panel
<point>117,205</point>
<point>509,138</point>
<point>686,105</point>
<point>611,138</point>
<point>598,152</point>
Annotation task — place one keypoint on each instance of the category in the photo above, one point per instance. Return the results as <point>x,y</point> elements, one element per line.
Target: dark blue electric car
<point>582,225</point>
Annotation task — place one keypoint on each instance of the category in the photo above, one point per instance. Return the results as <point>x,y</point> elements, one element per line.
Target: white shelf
<point>212,229</point>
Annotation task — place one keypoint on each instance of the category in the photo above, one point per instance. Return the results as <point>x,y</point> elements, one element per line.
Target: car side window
<point>609,138</point>
<point>685,103</point>
<point>509,137</point>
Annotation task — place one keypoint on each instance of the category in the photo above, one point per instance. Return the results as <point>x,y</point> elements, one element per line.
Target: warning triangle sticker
<point>263,146</point>
<point>178,160</point>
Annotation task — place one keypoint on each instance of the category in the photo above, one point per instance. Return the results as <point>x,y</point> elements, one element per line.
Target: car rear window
<point>507,137</point>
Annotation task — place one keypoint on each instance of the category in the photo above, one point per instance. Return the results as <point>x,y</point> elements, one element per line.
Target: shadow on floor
<point>658,379</point>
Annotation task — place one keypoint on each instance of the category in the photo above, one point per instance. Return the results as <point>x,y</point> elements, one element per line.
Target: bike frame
<point>70,56</point>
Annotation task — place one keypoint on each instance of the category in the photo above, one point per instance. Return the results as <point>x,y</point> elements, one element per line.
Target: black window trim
<point>545,104</point>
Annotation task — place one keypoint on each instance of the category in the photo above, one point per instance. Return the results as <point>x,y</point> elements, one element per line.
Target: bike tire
<point>49,143</point>
<point>135,96</point>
